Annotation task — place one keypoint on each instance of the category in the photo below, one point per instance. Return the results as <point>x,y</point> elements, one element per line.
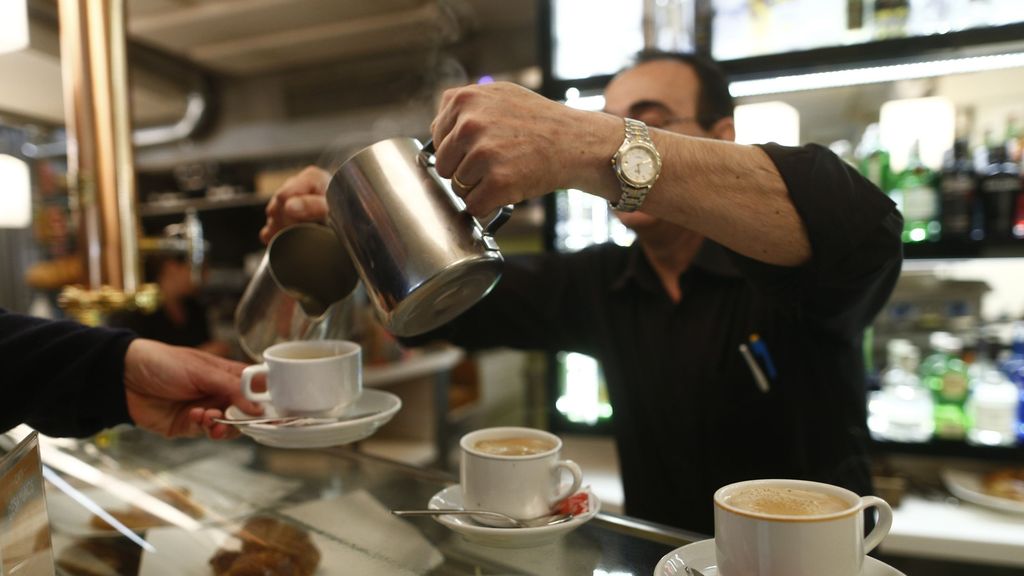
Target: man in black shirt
<point>786,246</point>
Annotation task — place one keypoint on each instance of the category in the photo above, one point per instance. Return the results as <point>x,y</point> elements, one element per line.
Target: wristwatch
<point>637,165</point>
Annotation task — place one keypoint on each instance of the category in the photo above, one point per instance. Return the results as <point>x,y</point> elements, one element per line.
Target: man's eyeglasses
<point>657,114</point>
<point>664,122</point>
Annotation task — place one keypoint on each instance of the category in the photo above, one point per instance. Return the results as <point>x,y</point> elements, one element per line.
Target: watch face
<point>639,165</point>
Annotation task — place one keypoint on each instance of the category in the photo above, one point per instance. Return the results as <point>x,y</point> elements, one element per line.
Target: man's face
<point>663,94</point>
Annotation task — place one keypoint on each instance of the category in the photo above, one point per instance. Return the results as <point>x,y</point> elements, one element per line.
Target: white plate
<point>382,406</point>
<point>701,556</point>
<point>451,497</point>
<point>968,487</point>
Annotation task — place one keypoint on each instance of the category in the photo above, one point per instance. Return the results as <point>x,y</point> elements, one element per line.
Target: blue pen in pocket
<point>760,349</point>
<point>755,370</point>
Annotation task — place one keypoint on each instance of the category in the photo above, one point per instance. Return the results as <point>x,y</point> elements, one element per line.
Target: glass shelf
<point>877,51</point>
<point>200,204</point>
<point>951,250</point>
<point>949,449</point>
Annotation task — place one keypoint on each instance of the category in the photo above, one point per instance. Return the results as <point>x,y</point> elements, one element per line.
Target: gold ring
<point>463,187</point>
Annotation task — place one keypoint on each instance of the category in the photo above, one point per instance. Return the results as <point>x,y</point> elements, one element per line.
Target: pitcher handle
<point>426,156</point>
<point>504,213</point>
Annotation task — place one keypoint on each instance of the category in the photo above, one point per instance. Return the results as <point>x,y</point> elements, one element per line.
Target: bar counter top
<point>338,496</point>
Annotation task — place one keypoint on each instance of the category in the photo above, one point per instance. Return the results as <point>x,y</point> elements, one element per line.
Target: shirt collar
<point>712,258</point>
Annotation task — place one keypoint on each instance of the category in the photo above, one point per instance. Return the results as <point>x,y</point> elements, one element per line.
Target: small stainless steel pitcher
<point>422,258</point>
<point>298,292</point>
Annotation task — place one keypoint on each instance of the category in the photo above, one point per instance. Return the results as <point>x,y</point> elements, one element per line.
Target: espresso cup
<point>515,471</point>
<point>794,528</point>
<point>308,378</point>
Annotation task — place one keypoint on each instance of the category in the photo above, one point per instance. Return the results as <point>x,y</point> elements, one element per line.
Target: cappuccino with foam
<point>786,501</point>
<point>515,446</point>
<point>778,527</point>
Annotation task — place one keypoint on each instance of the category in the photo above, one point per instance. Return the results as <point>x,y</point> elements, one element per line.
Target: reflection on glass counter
<point>144,505</point>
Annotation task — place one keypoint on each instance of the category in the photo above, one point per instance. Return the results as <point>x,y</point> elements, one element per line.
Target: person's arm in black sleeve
<point>60,377</point>
<point>542,302</point>
<point>854,231</point>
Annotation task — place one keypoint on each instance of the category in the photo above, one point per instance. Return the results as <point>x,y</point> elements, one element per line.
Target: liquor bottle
<point>992,405</point>
<point>958,188</point>
<point>1018,219</point>
<point>891,18</point>
<point>872,159</point>
<point>945,374</point>
<point>928,17</point>
<point>1014,139</point>
<point>903,410</point>
<point>915,190</point>
<point>999,187</point>
<point>854,21</point>
<point>1013,367</point>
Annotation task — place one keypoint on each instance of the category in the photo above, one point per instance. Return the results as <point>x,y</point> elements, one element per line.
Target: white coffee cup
<point>520,485</point>
<point>794,528</point>
<point>308,378</point>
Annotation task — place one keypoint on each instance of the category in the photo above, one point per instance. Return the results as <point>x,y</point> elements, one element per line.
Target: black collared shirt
<point>688,414</point>
<point>60,377</point>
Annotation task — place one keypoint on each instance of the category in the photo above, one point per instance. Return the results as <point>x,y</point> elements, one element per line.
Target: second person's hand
<point>302,198</point>
<point>177,391</point>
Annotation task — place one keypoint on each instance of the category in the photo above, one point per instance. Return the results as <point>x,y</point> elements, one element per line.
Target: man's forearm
<point>730,193</point>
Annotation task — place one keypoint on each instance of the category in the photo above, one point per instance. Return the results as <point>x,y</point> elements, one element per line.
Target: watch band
<point>632,196</point>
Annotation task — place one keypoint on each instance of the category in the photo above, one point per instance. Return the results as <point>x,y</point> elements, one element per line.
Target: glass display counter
<point>197,506</point>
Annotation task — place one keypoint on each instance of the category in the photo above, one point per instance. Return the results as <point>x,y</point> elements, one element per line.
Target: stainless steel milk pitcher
<point>298,292</point>
<point>422,258</point>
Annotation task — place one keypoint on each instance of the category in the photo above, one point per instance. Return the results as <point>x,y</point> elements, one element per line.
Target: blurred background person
<point>182,318</point>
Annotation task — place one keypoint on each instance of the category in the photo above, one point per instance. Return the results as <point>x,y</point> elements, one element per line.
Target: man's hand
<point>176,391</point>
<point>501,143</point>
<point>301,199</point>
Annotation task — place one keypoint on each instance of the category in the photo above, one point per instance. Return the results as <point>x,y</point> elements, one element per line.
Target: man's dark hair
<point>714,101</point>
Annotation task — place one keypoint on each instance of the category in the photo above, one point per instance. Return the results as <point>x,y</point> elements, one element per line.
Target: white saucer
<point>451,497</point>
<point>701,556</point>
<point>969,487</point>
<point>381,405</point>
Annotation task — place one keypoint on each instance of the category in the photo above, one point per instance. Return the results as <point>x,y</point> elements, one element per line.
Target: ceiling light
<point>15,193</point>
<point>13,25</point>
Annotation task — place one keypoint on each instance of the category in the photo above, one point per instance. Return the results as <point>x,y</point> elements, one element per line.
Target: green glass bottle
<point>873,160</point>
<point>915,192</point>
<point>1014,140</point>
<point>945,373</point>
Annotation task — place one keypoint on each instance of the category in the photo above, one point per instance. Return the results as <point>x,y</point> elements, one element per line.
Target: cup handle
<point>247,375</point>
<point>577,478</point>
<point>882,525</point>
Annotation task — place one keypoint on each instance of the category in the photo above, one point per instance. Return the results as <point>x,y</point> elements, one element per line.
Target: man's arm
<point>854,232</point>
<point>543,302</point>
<point>730,193</point>
<point>510,144</point>
<point>61,377</point>
<point>66,379</point>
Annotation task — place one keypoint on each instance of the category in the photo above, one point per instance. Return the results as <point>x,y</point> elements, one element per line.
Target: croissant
<point>1007,483</point>
<point>270,547</point>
